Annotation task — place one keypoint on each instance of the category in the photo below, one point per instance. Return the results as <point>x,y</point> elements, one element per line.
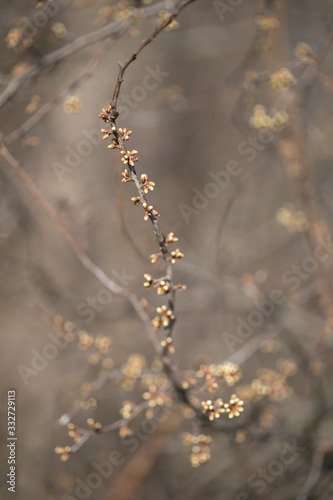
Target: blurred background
<point>231,112</point>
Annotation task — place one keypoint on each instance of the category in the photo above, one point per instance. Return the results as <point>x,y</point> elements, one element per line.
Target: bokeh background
<point>218,90</point>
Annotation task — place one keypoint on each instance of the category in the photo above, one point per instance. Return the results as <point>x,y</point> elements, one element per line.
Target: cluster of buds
<point>125,431</point>
<point>261,119</point>
<point>146,184</point>
<point>200,448</point>
<point>149,281</point>
<point>113,144</point>
<point>118,12</point>
<point>293,220</point>
<point>73,432</point>
<point>106,133</point>
<point>155,377</point>
<point>14,37</point>
<point>305,54</point>
<point>274,384</point>
<point>167,345</point>
<point>96,426</point>
<point>265,22</point>
<point>72,104</point>
<point>282,79</point>
<point>164,318</point>
<point>125,134</point>
<point>105,114</point>
<point>136,199</point>
<point>64,453</point>
<point>286,367</point>
<point>154,256</point>
<point>163,16</point>
<point>88,403</point>
<point>149,209</point>
<point>128,156</point>
<point>155,398</point>
<point>208,372</point>
<point>234,407</point>
<point>171,238</point>
<point>176,254</point>
<point>66,329</point>
<point>103,343</point>
<point>127,409</point>
<point>86,340</point>
<point>134,366</point>
<point>214,409</point>
<point>126,176</point>
<point>227,371</point>
<point>254,391</point>
<point>271,383</point>
<point>163,286</point>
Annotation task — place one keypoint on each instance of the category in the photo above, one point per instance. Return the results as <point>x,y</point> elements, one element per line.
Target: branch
<point>110,116</point>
